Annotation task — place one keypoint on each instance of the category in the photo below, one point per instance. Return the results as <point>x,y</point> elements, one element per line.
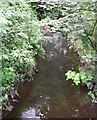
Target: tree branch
<point>94,27</point>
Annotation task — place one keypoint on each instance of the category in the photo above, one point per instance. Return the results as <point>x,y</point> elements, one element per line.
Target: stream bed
<point>49,95</point>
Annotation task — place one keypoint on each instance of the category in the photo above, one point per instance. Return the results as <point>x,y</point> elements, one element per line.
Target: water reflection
<point>55,46</point>
<point>50,95</point>
<point>34,112</point>
<point>30,113</point>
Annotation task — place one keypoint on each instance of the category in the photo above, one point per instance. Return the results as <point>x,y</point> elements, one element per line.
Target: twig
<point>93,27</point>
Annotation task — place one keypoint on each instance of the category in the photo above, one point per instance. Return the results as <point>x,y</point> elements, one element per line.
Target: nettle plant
<point>22,40</point>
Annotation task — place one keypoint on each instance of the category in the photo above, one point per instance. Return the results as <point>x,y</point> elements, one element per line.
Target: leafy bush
<point>84,41</point>
<point>21,41</point>
<point>77,22</point>
<point>22,38</point>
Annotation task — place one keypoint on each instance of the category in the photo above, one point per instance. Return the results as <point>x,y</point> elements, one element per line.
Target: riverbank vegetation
<point>22,40</point>
<point>21,26</point>
<point>77,22</point>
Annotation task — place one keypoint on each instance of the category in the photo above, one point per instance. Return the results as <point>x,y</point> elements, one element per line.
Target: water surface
<point>49,95</point>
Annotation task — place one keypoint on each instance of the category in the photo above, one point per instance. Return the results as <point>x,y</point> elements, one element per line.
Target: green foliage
<point>22,40</point>
<point>74,76</point>
<point>82,78</point>
<point>91,94</point>
<point>77,21</point>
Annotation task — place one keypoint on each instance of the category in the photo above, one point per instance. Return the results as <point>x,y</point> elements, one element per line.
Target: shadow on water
<point>50,95</point>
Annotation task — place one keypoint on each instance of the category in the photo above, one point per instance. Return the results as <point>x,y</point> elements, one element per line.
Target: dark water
<point>49,95</point>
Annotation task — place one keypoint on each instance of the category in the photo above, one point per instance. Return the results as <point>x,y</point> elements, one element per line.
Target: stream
<point>49,95</point>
